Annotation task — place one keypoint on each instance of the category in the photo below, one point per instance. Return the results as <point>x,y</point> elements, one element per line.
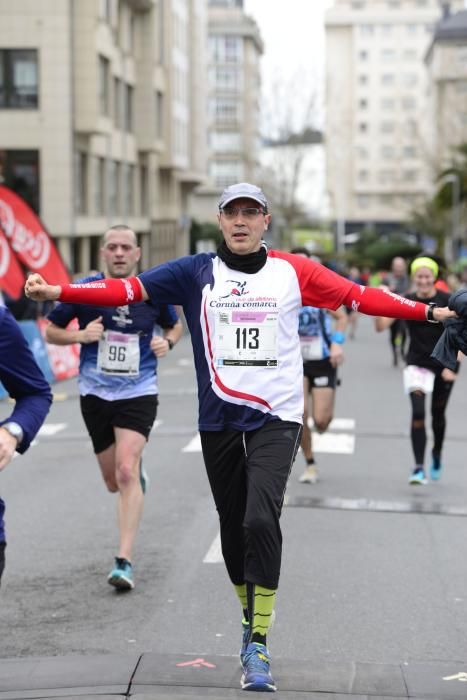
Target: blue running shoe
<point>256,673</point>
<point>143,476</point>
<point>436,468</point>
<point>245,639</point>
<point>121,575</point>
<point>418,478</point>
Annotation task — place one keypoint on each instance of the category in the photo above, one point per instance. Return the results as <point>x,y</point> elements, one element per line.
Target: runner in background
<point>398,282</point>
<point>322,353</point>
<point>120,348</point>
<point>424,375</point>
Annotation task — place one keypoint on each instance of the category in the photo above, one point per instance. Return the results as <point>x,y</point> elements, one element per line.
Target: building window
<point>388,104</point>
<point>363,55</point>
<point>128,111</point>
<point>105,10</point>
<point>20,171</point>
<point>225,111</point>
<point>409,103</point>
<point>143,190</point>
<point>226,49</point>
<point>409,79</point>
<point>81,184</point>
<point>363,103</point>
<point>225,141</point>
<point>367,29</point>
<point>410,152</point>
<point>387,29</point>
<point>117,103</point>
<point>410,175</point>
<point>19,79</point>
<point>387,127</point>
<point>363,127</point>
<point>387,152</point>
<point>225,78</point>
<point>363,201</point>
<point>363,79</point>
<point>388,55</point>
<point>386,177</point>
<point>104,77</point>
<point>225,172</point>
<point>128,175</point>
<point>387,79</point>
<point>159,114</point>
<point>363,175</point>
<point>100,187</point>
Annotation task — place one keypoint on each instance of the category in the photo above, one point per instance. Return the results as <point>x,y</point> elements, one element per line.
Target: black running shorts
<point>320,373</point>
<point>102,416</point>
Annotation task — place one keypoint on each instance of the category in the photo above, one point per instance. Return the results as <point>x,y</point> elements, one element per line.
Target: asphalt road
<point>373,570</point>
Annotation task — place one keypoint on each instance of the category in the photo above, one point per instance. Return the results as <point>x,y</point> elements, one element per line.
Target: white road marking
<point>51,429</point>
<point>334,443</point>
<point>329,442</point>
<point>194,445</point>
<point>338,424</point>
<point>214,555</point>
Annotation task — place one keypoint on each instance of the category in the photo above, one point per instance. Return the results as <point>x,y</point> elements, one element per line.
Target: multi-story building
<point>446,61</point>
<point>102,108</point>
<point>378,163</point>
<point>233,103</point>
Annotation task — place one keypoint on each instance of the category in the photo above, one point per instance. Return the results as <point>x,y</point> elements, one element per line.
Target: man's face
<point>243,230</point>
<point>399,267</point>
<point>120,253</point>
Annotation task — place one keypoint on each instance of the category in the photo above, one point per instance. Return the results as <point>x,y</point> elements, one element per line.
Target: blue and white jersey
<point>244,332</point>
<point>315,330</point>
<point>121,365</point>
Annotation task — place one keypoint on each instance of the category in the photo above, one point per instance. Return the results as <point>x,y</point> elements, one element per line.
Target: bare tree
<point>290,115</point>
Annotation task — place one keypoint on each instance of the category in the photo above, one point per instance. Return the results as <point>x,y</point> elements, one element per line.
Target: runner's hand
<point>8,445</point>
<point>36,288</point>
<point>336,354</point>
<point>93,331</point>
<point>448,375</point>
<point>159,346</point>
<point>442,313</point>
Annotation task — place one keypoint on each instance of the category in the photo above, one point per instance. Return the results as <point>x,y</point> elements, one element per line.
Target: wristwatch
<point>171,343</point>
<point>429,312</point>
<point>14,429</point>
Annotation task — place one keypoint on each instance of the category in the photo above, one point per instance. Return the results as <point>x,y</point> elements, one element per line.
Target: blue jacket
<point>25,383</point>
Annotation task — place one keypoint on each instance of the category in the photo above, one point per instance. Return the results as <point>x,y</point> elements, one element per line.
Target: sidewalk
<point>169,676</point>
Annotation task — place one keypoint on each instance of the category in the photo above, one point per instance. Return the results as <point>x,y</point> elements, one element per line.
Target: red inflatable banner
<point>33,246</point>
<point>11,275</point>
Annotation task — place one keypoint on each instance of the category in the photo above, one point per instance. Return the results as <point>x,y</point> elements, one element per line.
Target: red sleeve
<point>319,286</point>
<point>382,302</point>
<point>322,287</point>
<point>105,292</point>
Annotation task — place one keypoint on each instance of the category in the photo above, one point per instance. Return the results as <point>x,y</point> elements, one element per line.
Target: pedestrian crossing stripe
<point>325,443</point>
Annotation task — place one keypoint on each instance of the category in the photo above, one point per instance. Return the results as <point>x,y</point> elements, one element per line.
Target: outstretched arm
<point>105,292</point>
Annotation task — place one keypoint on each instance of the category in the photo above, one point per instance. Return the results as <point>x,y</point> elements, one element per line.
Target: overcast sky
<point>293,39</point>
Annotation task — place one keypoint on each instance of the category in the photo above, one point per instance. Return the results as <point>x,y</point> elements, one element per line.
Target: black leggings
<point>248,473</point>
<point>439,400</point>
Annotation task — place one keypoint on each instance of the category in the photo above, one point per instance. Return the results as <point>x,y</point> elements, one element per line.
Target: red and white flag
<point>11,273</point>
<point>28,238</point>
